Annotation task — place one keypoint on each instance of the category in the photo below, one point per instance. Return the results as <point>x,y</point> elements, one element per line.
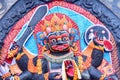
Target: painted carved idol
<point>58,41</point>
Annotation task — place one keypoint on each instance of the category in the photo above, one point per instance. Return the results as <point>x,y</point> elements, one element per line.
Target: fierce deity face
<point>59,41</point>
<point>58,33</point>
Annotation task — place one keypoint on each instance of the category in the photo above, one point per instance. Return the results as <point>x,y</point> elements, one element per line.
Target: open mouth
<point>100,41</point>
<point>60,47</point>
<point>106,43</point>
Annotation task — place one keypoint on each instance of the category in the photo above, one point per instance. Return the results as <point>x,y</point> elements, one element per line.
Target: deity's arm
<point>44,66</point>
<point>82,67</point>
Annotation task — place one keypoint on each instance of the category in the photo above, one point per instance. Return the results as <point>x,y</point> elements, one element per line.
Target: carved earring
<point>74,48</point>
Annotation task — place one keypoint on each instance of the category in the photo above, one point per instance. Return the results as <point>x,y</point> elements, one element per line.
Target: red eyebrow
<point>65,35</point>
<point>51,37</point>
<point>62,35</point>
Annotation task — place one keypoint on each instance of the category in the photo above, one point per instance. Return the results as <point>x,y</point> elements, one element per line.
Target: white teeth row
<point>4,69</point>
<point>104,38</point>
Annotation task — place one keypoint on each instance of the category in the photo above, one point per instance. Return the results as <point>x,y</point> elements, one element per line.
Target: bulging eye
<point>53,40</point>
<point>65,39</point>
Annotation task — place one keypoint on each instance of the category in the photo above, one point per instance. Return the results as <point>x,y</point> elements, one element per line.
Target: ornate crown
<point>56,23</point>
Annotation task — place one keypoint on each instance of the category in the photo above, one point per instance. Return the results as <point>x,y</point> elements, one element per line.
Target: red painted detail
<point>108,45</point>
<point>13,33</point>
<point>69,67</point>
<point>39,28</point>
<point>60,47</point>
<point>56,37</point>
<point>9,60</point>
<point>40,50</point>
<point>76,9</point>
<point>18,26</point>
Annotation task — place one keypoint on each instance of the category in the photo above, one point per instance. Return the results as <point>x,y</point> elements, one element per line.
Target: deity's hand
<point>55,76</point>
<point>69,68</point>
<point>111,77</point>
<point>13,50</point>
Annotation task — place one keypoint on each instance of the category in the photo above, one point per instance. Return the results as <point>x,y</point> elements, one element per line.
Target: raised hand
<point>69,68</point>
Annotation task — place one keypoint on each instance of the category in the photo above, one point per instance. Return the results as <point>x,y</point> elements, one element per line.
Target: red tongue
<point>60,47</point>
<point>108,45</point>
<point>9,60</point>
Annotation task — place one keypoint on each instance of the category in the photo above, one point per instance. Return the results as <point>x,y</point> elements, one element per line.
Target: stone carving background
<point>114,5</point>
<point>110,20</point>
